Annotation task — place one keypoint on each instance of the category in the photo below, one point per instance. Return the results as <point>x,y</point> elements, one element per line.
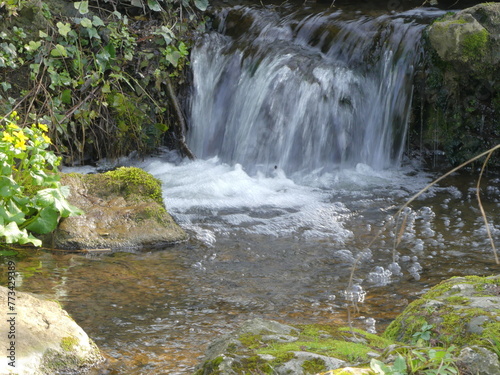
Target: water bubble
<point>344,255</point>
<point>395,268</point>
<point>414,270</point>
<point>380,276</point>
<point>355,293</point>
<point>370,325</point>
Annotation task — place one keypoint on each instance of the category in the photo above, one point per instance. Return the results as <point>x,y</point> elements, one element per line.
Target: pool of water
<point>266,246</point>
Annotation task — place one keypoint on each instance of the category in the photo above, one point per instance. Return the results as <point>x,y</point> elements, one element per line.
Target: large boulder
<point>123,209</point>
<point>40,338</point>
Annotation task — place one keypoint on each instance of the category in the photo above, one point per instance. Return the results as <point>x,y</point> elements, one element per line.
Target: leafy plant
<point>380,368</point>
<point>424,361</point>
<point>422,337</point>
<point>32,200</point>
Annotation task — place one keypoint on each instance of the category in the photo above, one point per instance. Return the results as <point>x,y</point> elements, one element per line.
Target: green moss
<point>475,45</point>
<point>314,366</point>
<point>210,367</point>
<point>251,341</point>
<point>130,182</point>
<point>457,300</point>
<point>67,343</point>
<point>345,350</point>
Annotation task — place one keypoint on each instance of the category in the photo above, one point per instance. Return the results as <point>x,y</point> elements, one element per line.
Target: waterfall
<point>303,93</point>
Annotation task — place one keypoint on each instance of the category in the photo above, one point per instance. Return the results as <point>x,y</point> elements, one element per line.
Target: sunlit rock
<point>123,209</point>
<point>462,311</point>
<point>42,339</point>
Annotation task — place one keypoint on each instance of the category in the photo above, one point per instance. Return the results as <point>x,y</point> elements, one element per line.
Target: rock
<point>479,361</point>
<point>123,209</point>
<point>261,346</point>
<point>463,311</point>
<point>47,341</point>
<point>469,38</point>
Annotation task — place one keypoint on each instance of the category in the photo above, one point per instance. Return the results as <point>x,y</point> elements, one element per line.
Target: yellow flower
<point>12,126</point>
<point>20,144</point>
<point>21,140</point>
<point>46,139</point>
<point>8,138</point>
<point>43,127</point>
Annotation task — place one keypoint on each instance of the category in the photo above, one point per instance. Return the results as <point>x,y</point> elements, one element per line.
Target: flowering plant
<point>32,200</point>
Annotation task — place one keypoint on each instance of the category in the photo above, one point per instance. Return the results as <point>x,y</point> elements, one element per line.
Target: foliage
<point>423,360</point>
<point>97,79</point>
<point>31,198</point>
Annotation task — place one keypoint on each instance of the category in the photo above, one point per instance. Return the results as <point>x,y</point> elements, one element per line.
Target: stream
<point>298,116</point>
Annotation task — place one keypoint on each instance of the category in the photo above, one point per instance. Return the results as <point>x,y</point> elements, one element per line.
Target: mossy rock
<point>268,347</point>
<point>123,209</point>
<point>462,311</point>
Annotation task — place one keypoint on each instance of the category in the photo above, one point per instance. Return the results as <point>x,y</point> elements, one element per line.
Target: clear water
<point>277,243</point>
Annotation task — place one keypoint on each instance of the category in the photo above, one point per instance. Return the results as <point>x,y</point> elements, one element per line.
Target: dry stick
<point>181,127</point>
<point>478,194</point>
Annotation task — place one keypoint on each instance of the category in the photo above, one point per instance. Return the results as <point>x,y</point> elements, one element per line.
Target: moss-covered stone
<point>122,209</point>
<point>462,311</point>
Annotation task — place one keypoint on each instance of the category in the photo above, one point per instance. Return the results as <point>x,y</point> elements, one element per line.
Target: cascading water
<point>303,92</point>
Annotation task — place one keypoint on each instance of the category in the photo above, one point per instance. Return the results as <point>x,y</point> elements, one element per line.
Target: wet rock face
<point>47,341</point>
<point>458,100</point>
<point>123,209</point>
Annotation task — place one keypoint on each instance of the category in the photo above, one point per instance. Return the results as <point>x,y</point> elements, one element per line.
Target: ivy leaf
<point>154,6</point>
<point>85,22</point>
<point>82,6</point>
<point>201,4</point>
<point>32,46</point>
<point>58,51</point>
<point>63,28</point>
<point>96,21</point>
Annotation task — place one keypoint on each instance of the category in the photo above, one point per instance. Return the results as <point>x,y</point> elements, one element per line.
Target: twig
<point>181,129</point>
<point>478,194</point>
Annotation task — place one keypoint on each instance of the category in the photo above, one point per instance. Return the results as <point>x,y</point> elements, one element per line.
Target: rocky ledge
<point>454,325</point>
<point>123,209</point>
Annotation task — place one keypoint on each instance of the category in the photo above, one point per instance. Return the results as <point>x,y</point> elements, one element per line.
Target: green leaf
<point>137,3</point>
<point>56,197</point>
<point>6,86</point>
<point>58,51</point>
<point>42,34</point>
<point>66,96</point>
<point>82,6</point>
<point>13,234</point>
<point>400,365</point>
<point>32,46</point>
<point>154,6</point>
<point>201,4</point>
<point>46,221</point>
<point>96,21</point>
<point>63,28</point>
<point>85,22</point>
